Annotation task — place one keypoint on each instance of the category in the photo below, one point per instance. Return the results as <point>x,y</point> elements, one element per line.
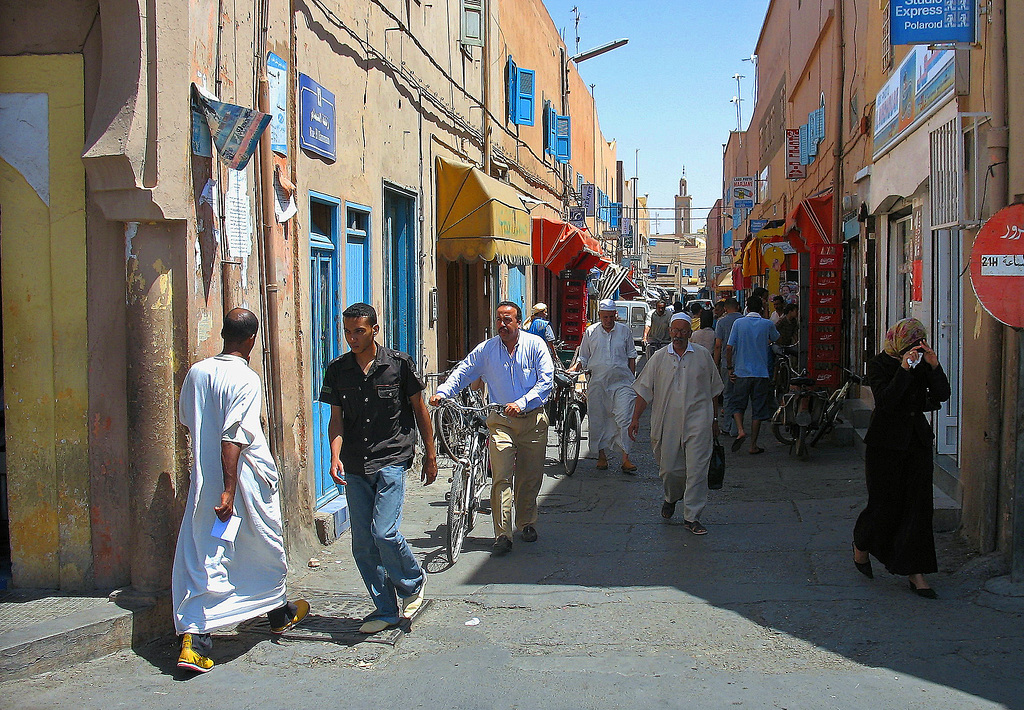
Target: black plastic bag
<point>716,469</point>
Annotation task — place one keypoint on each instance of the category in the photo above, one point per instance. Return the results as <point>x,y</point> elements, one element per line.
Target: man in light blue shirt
<point>517,368</point>
<point>747,357</point>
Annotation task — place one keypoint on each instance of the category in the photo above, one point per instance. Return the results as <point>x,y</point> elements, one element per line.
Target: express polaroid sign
<point>932,21</point>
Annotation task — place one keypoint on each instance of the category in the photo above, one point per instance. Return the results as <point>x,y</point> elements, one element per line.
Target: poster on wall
<point>277,78</point>
<point>921,84</point>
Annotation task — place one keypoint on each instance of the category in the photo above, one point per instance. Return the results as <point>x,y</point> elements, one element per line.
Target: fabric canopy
<point>557,246</point>
<point>724,280</point>
<point>479,217</point>
<point>628,290</point>
<point>810,223</point>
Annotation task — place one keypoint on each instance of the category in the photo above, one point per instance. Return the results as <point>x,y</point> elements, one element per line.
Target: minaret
<point>683,205</point>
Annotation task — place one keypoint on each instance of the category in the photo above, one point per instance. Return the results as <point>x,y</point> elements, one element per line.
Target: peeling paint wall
<point>45,331</point>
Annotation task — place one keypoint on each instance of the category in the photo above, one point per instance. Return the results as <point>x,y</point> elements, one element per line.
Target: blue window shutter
<point>563,138</point>
<point>804,157</point>
<point>512,90</point>
<point>472,22</point>
<point>549,127</point>
<point>524,97</point>
<point>613,214</point>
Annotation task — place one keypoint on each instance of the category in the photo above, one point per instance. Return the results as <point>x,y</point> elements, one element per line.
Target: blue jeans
<point>382,555</point>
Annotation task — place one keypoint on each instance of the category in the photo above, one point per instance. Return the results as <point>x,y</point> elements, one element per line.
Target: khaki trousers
<point>516,446</point>
<point>684,473</point>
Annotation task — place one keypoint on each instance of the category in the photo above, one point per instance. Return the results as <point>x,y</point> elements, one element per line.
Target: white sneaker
<point>411,605</point>
<point>374,626</point>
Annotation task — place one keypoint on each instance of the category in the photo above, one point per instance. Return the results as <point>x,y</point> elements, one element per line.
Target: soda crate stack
<point>826,312</point>
<point>574,312</point>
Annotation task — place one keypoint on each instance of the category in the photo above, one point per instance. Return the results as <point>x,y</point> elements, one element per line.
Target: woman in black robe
<point>896,526</point>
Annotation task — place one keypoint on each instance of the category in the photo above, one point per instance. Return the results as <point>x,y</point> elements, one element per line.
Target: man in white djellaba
<point>681,383</point>
<point>607,350</point>
<point>229,563</point>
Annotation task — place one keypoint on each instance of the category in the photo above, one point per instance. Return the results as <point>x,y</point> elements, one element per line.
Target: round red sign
<point>997,265</point>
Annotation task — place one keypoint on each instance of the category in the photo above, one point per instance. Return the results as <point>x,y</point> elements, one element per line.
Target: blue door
<point>400,252</point>
<point>324,298</point>
<point>517,286</point>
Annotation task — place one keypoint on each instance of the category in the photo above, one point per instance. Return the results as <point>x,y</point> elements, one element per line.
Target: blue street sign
<point>932,21</point>
<point>316,117</point>
<point>756,225</point>
<point>277,78</point>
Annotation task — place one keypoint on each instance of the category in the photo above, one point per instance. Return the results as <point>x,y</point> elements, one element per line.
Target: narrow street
<point>612,607</point>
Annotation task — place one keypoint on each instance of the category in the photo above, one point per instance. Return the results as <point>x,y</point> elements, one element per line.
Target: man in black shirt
<point>375,398</point>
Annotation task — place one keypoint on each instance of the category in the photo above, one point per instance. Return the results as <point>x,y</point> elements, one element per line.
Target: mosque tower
<point>683,207</point>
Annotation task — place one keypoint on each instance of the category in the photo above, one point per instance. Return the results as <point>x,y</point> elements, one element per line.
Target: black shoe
<point>863,567</point>
<point>926,592</point>
<point>667,509</point>
<point>501,546</point>
<point>529,534</point>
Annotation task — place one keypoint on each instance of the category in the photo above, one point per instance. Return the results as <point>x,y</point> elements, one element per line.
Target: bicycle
<point>565,412</point>
<point>784,372</point>
<point>795,419</point>
<point>469,475</point>
<point>830,413</point>
<point>451,426</point>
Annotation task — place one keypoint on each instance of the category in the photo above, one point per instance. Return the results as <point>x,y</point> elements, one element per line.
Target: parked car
<point>633,314</point>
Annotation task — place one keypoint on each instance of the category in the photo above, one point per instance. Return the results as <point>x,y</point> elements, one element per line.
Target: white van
<point>633,314</point>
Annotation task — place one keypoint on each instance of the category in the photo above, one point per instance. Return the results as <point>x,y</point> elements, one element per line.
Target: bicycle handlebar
<point>482,410</point>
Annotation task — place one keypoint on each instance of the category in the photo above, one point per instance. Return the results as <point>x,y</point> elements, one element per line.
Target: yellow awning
<point>724,280</point>
<point>479,217</point>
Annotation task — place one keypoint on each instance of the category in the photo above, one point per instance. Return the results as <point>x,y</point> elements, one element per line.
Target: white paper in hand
<point>226,530</point>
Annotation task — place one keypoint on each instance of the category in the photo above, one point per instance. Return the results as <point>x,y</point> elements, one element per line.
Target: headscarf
<point>902,335</point>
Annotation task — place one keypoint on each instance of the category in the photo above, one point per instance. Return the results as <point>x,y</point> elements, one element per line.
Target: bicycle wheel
<point>457,511</point>
<point>451,432</point>
<point>829,414</point>
<point>569,448</point>
<point>479,461</point>
<point>802,452</point>
<point>781,379</point>
<point>782,422</point>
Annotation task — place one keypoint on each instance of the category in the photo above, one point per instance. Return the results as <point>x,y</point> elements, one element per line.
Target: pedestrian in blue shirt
<point>517,368</point>
<point>747,356</point>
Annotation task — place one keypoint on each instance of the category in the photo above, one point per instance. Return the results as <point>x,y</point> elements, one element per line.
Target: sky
<point>668,92</point>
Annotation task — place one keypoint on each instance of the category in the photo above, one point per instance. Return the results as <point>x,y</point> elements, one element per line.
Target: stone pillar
<point>153,360</point>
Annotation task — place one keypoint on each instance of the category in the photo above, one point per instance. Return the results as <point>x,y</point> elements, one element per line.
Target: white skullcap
<point>606,305</point>
<point>681,316</point>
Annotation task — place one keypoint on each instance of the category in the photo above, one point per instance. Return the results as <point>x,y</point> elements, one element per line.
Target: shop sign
<point>756,225</point>
<point>588,194</point>
<point>577,217</point>
<point>932,21</point>
<point>316,113</point>
<point>997,265</point>
<point>743,192</point>
<point>795,170</point>
<point>921,84</point>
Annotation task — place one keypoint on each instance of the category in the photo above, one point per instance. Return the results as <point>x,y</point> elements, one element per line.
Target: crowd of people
<point>702,370</point>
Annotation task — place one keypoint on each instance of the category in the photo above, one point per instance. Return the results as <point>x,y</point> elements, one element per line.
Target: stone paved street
<point>612,607</point>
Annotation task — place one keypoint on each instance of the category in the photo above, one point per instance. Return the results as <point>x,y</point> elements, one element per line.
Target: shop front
<point>482,227</point>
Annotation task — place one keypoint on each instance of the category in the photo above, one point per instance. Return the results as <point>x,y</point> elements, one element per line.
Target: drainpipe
<point>1006,349</point>
<point>485,87</point>
<point>840,82</point>
<point>270,289</point>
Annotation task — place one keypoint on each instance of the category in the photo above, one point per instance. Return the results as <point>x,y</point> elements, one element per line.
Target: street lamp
<point>591,53</point>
